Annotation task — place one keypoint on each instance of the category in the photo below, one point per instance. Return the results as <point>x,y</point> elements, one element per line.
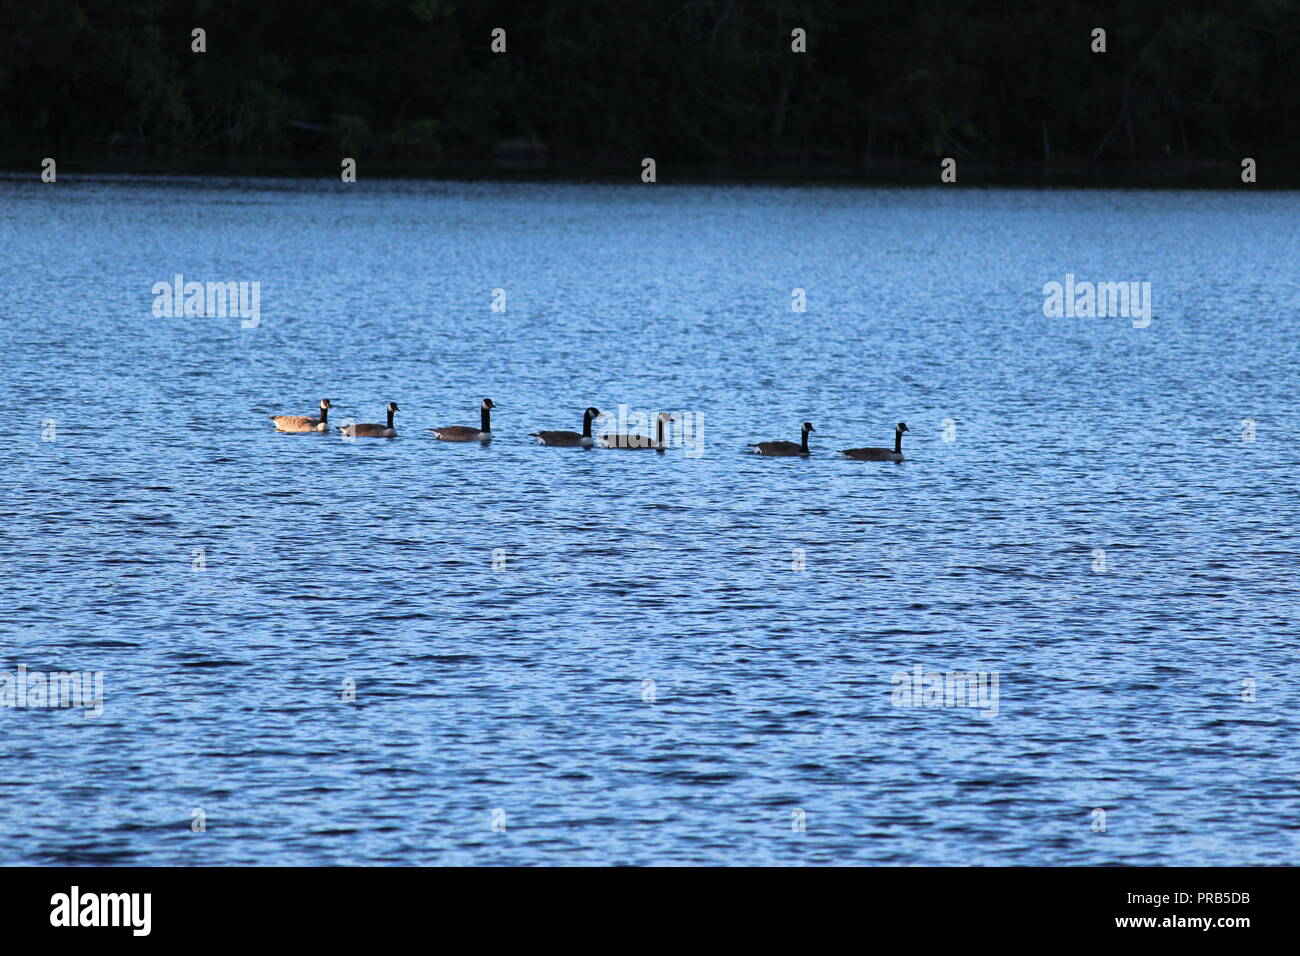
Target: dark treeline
<point>598,83</point>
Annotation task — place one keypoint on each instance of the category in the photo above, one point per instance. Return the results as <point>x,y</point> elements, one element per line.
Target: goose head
<point>807,427</point>
<point>392,407</point>
<point>592,413</point>
<point>325,403</point>
<point>487,404</point>
<point>901,427</point>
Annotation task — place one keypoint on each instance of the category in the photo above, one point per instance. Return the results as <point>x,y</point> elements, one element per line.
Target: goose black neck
<point>898,443</point>
<point>659,431</point>
<point>324,414</point>
<point>803,442</point>
<point>586,426</point>
<point>390,418</point>
<point>485,419</point>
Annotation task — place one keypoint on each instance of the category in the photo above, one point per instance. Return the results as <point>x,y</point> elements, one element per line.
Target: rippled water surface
<point>518,693</point>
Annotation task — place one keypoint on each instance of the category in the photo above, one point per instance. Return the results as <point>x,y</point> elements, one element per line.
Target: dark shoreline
<point>1172,175</point>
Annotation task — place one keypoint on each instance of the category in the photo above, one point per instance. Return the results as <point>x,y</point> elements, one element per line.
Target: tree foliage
<point>685,80</point>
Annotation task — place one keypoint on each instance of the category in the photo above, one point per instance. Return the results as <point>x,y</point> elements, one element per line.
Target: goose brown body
<point>562,439</point>
<point>371,430</point>
<point>465,432</point>
<point>304,423</point>
<point>880,454</point>
<point>457,433</point>
<point>368,430</point>
<point>787,449</point>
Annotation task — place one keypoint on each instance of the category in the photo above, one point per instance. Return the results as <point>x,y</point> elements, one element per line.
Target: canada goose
<point>880,454</point>
<point>787,448</point>
<point>373,431</point>
<point>303,423</point>
<point>636,440</point>
<point>571,439</point>
<point>464,432</point>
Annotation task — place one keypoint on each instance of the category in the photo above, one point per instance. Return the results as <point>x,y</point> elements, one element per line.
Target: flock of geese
<point>567,439</point>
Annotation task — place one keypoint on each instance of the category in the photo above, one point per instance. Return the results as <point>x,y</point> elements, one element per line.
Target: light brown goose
<point>880,454</point>
<point>788,449</point>
<point>304,423</point>
<point>370,430</point>
<point>571,439</point>
<point>464,432</point>
<point>637,440</point>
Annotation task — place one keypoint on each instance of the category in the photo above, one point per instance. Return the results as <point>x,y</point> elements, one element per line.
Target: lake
<point>1062,631</point>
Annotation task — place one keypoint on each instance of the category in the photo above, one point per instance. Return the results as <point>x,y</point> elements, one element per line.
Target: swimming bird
<point>571,439</point>
<point>372,431</point>
<point>464,432</point>
<point>786,448</point>
<point>880,454</point>
<point>303,423</point>
<point>637,440</point>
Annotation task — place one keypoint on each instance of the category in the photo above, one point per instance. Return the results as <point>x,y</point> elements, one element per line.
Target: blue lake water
<point>232,583</point>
